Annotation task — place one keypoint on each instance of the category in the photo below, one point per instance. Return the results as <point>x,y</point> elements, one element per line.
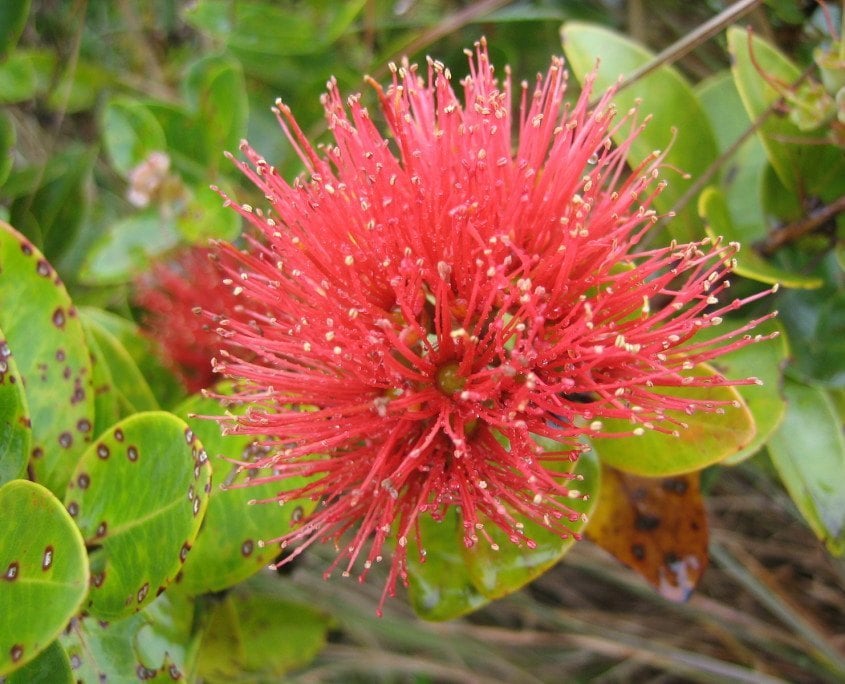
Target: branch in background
<point>797,229</point>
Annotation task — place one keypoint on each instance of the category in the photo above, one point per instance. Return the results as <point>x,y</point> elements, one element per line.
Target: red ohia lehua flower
<point>172,294</point>
<point>425,306</point>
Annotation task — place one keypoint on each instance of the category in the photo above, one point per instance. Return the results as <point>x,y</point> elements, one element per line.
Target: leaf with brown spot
<point>656,526</point>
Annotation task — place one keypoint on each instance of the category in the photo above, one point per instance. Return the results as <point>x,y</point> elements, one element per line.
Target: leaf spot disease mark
<point>646,522</point>
<point>73,509</point>
<point>83,480</point>
<point>196,507</point>
<point>189,436</point>
<point>75,662</point>
<point>101,529</point>
<point>143,591</point>
<point>247,547</point>
<point>118,434</point>
<point>42,268</point>
<point>37,452</point>
<point>97,579</point>
<point>103,451</point>
<point>59,318</point>
<point>26,248</point>
<point>16,652</point>
<point>47,559</point>
<point>83,425</point>
<point>183,552</point>
<point>132,453</point>
<point>297,514</point>
<point>65,440</point>
<point>675,486</point>
<point>145,672</point>
<point>60,355</point>
<point>12,572</point>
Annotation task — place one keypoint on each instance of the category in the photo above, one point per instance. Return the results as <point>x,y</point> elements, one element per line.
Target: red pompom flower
<point>420,309</point>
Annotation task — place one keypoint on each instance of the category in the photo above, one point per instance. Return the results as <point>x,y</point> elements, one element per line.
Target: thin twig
<point>792,231</point>
<point>692,40</point>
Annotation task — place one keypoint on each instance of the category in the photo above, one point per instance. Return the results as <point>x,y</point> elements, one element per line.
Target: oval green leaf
<point>709,437</point>
<point>130,133</point>
<point>764,361</point>
<point>260,637</point>
<point>126,250</point>
<point>167,389</point>
<point>45,336</point>
<point>129,385</point>
<point>496,573</point>
<point>230,545</point>
<point>43,571</point>
<point>157,644</point>
<point>454,580</point>
<point>440,587</point>
<point>15,424</point>
<point>678,123</point>
<point>216,90</point>
<point>808,452</point>
<point>713,207</point>
<point>51,666</point>
<point>8,137</point>
<point>139,495</point>
<point>12,20</point>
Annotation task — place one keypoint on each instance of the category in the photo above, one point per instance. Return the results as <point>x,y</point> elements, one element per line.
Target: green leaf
<point>216,90</point>
<point>139,495</point>
<point>15,430</point>
<point>230,545</point>
<point>764,360</point>
<point>666,96</point>
<point>13,14</point>
<point>709,437</point>
<point>713,208</point>
<point>51,666</point>
<point>54,214</point>
<point>130,133</point>
<point>107,409</point>
<point>510,567</point>
<point>44,571</point>
<point>186,141</point>
<point>440,588</point>
<point>808,452</point>
<point>128,384</point>
<point>127,249</point>
<point>453,580</point>
<point>815,323</point>
<point>205,217</point>
<point>739,178</point>
<point>8,138</point>
<point>802,167</point>
<point>157,644</point>
<point>166,388</point>
<point>269,29</point>
<point>78,87</point>
<point>18,82</point>
<point>45,336</point>
<point>260,635</point>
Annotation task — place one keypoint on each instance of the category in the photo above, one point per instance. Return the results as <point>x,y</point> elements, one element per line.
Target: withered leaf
<point>657,526</point>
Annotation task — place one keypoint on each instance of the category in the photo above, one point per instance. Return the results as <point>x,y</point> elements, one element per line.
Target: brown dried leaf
<point>656,526</point>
